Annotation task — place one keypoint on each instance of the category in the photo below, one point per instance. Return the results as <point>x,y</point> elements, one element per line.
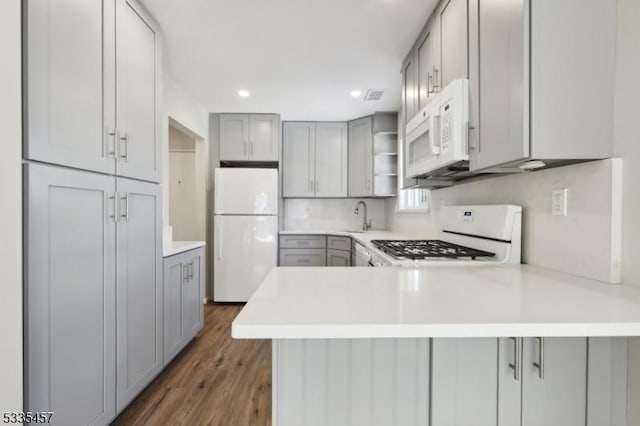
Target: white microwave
<point>438,136</point>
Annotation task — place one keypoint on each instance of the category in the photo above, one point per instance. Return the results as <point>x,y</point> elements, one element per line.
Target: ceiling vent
<point>373,94</point>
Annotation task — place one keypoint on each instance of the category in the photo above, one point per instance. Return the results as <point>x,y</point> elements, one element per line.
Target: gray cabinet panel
<point>234,137</point>
<point>70,293</point>
<point>263,137</point>
<point>173,277</point>
<point>503,61</point>
<point>303,257</point>
<point>454,47</point>
<point>559,397</point>
<point>139,288</point>
<point>136,113</point>
<point>339,243</point>
<point>464,386</point>
<point>427,63</point>
<point>192,294</point>
<point>338,258</point>
<point>607,381</point>
<point>331,160</point>
<point>410,89</point>
<point>298,159</point>
<point>303,241</point>
<point>64,115</point>
<point>361,157</point>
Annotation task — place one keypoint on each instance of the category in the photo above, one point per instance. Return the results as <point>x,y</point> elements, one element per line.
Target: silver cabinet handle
<point>429,84</point>
<point>125,139</point>
<point>191,270</point>
<point>251,150</point>
<point>125,198</point>
<point>435,80</point>
<point>310,185</point>
<point>114,215</point>
<point>540,364</point>
<point>111,135</point>
<point>517,353</point>
<point>244,148</point>
<point>317,185</point>
<point>184,275</point>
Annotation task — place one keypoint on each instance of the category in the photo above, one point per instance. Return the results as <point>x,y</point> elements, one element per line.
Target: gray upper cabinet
<point>410,88</point>
<point>331,160</point>
<point>531,108</point>
<point>136,75</point>
<point>72,116</point>
<point>139,287</point>
<point>183,311</point>
<point>64,120</point>
<point>249,137</point>
<point>298,159</point>
<point>428,65</point>
<point>453,42</point>
<point>314,159</point>
<point>361,157</point>
<point>70,295</point>
<point>234,137</point>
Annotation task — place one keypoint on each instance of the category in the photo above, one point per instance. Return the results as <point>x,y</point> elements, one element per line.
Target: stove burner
<point>421,249</point>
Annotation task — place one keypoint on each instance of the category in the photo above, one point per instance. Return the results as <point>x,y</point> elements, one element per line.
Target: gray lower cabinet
<point>183,311</point>
<point>303,257</point>
<point>338,257</point>
<point>535,381</point>
<point>139,287</point>
<point>70,295</point>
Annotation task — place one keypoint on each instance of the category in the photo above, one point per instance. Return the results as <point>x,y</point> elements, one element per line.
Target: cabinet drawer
<point>303,241</point>
<point>338,258</point>
<point>303,257</point>
<point>339,243</point>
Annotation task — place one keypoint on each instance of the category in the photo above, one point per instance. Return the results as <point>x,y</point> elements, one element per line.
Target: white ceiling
<point>299,58</point>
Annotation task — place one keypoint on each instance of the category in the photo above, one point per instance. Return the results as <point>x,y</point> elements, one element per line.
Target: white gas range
<point>469,235</point>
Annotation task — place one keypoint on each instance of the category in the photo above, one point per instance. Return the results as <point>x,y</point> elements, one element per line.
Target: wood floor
<point>215,381</point>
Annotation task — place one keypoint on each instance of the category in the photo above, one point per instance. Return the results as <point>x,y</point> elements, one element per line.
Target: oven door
<point>422,141</point>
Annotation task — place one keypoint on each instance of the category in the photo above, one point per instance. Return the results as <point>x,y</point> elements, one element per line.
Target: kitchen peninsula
<point>400,345</point>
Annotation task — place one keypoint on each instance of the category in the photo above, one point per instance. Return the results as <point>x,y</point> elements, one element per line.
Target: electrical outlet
<point>559,202</point>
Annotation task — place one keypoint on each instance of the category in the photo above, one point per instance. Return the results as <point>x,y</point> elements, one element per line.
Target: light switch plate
<point>559,202</point>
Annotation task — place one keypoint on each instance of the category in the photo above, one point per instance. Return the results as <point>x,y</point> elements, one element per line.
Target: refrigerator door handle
<point>218,231</point>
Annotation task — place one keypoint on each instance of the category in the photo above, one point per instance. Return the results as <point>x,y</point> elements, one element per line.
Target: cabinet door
<point>554,386</point>
<point>139,287</point>
<point>70,293</point>
<point>464,385</point>
<point>193,310</point>
<point>504,85</point>
<point>298,159</point>
<point>331,160</point>
<point>427,60</point>
<point>454,48</point>
<point>263,137</point>
<point>174,277</point>
<point>303,257</point>
<point>234,137</point>
<point>68,117</point>
<point>137,121</point>
<point>410,89</point>
<point>338,258</point>
<point>360,158</point>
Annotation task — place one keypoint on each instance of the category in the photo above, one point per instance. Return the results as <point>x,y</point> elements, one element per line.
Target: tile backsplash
<point>331,214</point>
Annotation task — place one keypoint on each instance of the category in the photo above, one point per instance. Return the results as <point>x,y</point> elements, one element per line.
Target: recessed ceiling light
<point>243,93</point>
<point>356,93</point>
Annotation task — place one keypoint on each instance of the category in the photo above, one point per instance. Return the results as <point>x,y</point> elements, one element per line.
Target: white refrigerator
<point>245,231</point>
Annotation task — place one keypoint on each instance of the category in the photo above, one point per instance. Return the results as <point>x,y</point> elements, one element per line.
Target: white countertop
<point>447,301</point>
<point>171,248</point>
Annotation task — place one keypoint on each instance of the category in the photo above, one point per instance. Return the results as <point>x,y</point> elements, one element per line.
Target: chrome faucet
<point>366,224</point>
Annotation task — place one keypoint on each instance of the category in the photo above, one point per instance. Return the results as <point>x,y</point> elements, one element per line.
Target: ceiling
<point>299,58</point>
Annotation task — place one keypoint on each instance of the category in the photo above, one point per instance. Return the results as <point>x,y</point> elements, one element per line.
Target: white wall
<point>628,147</point>
<point>186,220</point>
<point>11,211</point>
<point>331,214</point>
<point>191,117</point>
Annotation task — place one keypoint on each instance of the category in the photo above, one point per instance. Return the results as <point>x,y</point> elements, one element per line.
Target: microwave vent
<point>373,95</point>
